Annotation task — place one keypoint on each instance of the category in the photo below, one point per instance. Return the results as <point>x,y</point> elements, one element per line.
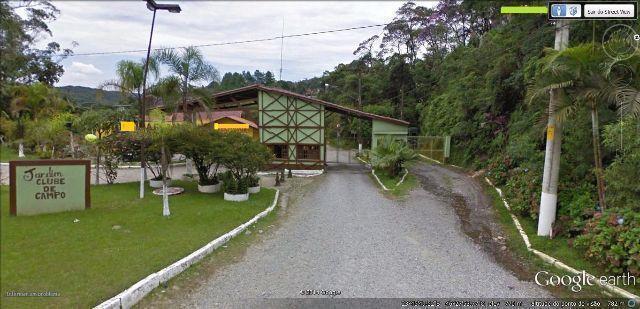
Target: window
<point>308,152</point>
<point>279,151</point>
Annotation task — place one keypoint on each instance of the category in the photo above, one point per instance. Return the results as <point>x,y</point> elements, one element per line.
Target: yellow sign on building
<point>230,126</point>
<point>127,126</point>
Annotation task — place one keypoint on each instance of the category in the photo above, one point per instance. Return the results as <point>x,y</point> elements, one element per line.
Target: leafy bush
<point>231,185</point>
<point>622,176</point>
<point>522,188</point>
<point>611,240</point>
<point>243,157</point>
<point>575,207</point>
<point>205,147</point>
<point>111,156</point>
<point>253,181</point>
<point>391,154</point>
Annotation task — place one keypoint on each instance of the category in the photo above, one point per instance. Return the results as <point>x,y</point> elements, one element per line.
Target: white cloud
<point>124,25</point>
<point>84,68</point>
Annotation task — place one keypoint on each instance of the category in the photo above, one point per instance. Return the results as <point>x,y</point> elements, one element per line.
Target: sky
<point>99,26</point>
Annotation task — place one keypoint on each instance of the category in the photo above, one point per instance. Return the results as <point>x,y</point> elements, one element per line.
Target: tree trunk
<point>98,165</point>
<point>165,197</point>
<point>185,93</point>
<point>71,144</point>
<point>402,102</point>
<point>21,150</point>
<point>595,130</point>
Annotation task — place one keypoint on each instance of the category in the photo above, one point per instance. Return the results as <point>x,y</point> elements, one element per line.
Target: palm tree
<point>130,79</point>
<point>190,66</point>
<point>582,72</point>
<point>168,89</point>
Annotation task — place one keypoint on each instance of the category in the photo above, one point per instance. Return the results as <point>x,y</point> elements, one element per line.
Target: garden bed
<point>119,241</point>
<point>390,182</point>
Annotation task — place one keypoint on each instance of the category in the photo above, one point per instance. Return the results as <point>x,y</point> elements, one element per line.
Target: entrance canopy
<point>249,95</point>
<point>293,125</point>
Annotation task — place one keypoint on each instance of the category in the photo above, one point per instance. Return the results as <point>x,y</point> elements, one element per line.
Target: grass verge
<point>119,241</point>
<point>390,182</point>
<point>533,263</point>
<point>7,154</point>
<point>561,249</point>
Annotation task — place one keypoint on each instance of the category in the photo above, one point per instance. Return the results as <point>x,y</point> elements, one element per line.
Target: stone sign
<point>46,186</point>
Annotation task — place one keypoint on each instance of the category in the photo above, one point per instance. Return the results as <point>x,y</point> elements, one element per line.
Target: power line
<point>280,37</point>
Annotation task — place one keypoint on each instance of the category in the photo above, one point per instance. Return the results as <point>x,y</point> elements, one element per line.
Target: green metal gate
<point>434,147</point>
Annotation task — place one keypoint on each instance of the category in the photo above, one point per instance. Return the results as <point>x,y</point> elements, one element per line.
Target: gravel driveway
<point>345,236</point>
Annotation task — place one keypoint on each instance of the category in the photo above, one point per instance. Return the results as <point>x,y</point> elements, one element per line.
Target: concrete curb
<point>123,166</point>
<point>553,261</point>
<point>297,173</point>
<point>434,160</point>
<point>406,172</point>
<point>373,172</point>
<point>132,295</point>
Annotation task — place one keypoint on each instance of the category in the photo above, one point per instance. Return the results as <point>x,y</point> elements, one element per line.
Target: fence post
<point>447,147</point>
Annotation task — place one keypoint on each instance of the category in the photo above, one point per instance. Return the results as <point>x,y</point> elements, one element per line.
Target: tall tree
<point>190,66</point>
<point>129,80</point>
<point>22,25</point>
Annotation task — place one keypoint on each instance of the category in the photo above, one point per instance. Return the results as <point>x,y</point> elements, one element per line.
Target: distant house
<point>219,117</point>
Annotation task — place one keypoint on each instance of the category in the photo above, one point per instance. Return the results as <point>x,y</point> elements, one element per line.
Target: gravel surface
<point>345,236</point>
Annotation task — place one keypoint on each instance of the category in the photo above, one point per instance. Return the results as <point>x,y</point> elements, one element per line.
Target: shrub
<point>522,188</point>
<point>391,154</point>
<point>243,157</point>
<point>205,147</point>
<point>111,156</point>
<point>623,187</point>
<point>253,181</point>
<point>611,240</point>
<point>231,185</point>
<point>162,139</point>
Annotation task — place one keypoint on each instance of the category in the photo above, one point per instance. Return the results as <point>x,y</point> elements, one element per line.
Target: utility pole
<point>549,195</point>
<point>281,48</point>
<point>359,137</point>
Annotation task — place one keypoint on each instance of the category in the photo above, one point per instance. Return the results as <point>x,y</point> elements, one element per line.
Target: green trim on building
<point>380,129</point>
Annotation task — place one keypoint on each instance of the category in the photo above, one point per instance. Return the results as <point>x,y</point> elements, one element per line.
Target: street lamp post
<point>152,6</point>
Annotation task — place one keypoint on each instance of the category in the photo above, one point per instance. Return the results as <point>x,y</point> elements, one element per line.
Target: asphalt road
<point>345,236</point>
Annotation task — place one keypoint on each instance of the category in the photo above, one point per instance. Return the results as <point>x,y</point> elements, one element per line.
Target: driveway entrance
<point>344,238</point>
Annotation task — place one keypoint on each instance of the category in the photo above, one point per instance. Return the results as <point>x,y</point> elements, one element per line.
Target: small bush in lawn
<point>391,154</point>
<point>231,185</point>
<point>243,157</point>
<point>205,147</point>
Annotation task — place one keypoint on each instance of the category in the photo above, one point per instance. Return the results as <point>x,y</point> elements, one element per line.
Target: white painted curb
<point>434,160</point>
<point>406,172</point>
<point>123,166</point>
<point>553,261</point>
<point>132,295</point>
<point>373,172</point>
<point>297,173</point>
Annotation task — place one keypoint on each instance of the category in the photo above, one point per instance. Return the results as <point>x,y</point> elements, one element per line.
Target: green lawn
<point>89,261</point>
<point>7,154</point>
